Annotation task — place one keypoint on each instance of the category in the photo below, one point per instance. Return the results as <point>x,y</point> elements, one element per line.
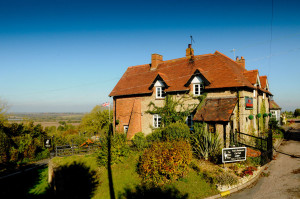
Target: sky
<point>67,55</point>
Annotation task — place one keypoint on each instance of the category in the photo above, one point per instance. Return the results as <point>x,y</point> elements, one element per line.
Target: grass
<point>125,178</point>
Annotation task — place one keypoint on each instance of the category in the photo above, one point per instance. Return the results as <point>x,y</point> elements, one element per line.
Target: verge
<point>250,181</point>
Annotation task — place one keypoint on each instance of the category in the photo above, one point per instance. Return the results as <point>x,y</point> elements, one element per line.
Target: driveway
<point>283,181</point>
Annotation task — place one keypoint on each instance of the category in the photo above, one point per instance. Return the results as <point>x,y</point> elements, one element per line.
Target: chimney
<point>189,52</point>
<point>155,60</point>
<point>241,61</point>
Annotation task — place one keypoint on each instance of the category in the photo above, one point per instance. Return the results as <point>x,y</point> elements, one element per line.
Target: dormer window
<point>159,88</point>
<point>198,89</point>
<point>197,86</point>
<point>159,92</point>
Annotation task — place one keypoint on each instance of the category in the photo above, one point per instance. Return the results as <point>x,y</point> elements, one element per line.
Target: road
<point>283,181</point>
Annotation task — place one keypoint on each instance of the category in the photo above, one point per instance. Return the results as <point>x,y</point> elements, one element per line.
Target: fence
<point>263,144</point>
<point>68,150</point>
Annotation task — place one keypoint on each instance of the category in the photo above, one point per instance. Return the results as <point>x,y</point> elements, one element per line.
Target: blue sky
<point>67,55</point>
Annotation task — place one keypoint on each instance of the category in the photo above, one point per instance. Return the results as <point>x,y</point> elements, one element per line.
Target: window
<point>125,129</point>
<point>254,93</point>
<point>211,128</point>
<point>189,121</point>
<point>273,114</point>
<point>156,121</point>
<point>160,92</point>
<point>198,89</point>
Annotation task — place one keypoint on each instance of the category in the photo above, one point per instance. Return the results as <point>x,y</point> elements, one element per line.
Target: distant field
<point>46,119</point>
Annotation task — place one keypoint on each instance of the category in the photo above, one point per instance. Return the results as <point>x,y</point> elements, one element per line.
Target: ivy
<point>262,121</point>
<point>172,111</point>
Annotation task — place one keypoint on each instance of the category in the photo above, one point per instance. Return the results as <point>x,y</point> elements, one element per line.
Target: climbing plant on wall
<point>262,120</point>
<point>172,111</point>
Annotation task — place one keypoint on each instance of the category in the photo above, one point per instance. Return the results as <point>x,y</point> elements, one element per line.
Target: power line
<point>272,17</point>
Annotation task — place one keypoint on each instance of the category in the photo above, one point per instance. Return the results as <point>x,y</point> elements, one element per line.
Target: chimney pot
<point>241,61</point>
<point>189,52</point>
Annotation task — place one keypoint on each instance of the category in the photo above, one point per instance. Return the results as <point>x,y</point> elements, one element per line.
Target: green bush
<point>226,178</point>
<point>164,162</point>
<point>156,136</point>
<point>176,131</point>
<point>205,145</point>
<point>273,124</point>
<point>119,149</point>
<point>139,141</point>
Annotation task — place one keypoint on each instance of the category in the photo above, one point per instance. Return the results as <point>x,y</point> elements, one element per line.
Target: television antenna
<point>192,40</point>
<point>233,50</point>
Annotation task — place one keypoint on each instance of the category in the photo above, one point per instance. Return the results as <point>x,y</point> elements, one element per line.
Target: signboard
<point>249,102</point>
<point>234,154</point>
<point>48,143</point>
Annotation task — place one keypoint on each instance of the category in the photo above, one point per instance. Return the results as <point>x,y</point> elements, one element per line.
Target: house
<point>275,111</point>
<point>237,98</point>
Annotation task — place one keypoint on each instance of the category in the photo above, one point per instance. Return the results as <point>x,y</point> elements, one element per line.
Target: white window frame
<point>125,129</point>
<point>198,90</point>
<point>156,121</point>
<point>190,117</point>
<point>159,92</point>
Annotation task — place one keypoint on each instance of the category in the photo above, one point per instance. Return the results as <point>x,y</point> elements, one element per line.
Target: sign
<point>234,154</point>
<point>249,102</point>
<point>48,143</point>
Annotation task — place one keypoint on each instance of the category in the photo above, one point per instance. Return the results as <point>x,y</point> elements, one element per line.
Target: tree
<point>297,112</point>
<point>3,109</point>
<point>96,121</point>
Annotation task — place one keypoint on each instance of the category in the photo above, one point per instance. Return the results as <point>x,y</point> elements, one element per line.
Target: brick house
<point>233,94</point>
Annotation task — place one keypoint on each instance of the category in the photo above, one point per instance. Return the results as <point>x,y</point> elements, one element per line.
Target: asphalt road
<point>283,181</point>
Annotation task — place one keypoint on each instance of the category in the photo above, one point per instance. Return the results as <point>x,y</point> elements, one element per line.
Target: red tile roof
<point>216,110</point>
<point>217,68</point>
<point>251,75</point>
<point>263,81</point>
<point>274,105</point>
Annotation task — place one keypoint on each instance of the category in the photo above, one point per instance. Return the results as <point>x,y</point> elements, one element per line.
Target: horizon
<point>68,56</point>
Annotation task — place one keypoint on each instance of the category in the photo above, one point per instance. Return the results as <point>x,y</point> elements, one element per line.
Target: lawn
<point>126,181</point>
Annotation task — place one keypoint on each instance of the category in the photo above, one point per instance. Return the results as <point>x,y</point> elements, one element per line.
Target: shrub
<point>118,149</point>
<point>248,171</point>
<point>139,141</point>
<point>273,124</point>
<point>226,178</point>
<point>155,136</point>
<point>164,162</point>
<point>176,131</point>
<point>205,145</point>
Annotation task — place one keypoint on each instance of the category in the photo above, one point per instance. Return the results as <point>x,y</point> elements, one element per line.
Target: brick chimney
<point>189,52</point>
<point>241,61</point>
<point>155,60</point>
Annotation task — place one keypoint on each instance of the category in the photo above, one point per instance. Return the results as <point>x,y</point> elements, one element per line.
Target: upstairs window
<point>197,85</point>
<point>198,89</point>
<point>159,88</point>
<point>160,92</point>
<point>156,121</point>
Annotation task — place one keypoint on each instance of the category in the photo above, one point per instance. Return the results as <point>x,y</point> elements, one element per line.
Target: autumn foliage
<point>164,162</point>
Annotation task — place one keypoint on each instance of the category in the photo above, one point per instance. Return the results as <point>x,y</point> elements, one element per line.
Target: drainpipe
<point>238,97</point>
<point>257,111</point>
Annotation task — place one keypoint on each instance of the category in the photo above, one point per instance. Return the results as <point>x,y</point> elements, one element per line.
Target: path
<point>284,179</point>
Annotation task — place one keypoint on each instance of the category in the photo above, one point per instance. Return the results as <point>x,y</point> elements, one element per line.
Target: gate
<point>263,144</point>
<point>68,150</point>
